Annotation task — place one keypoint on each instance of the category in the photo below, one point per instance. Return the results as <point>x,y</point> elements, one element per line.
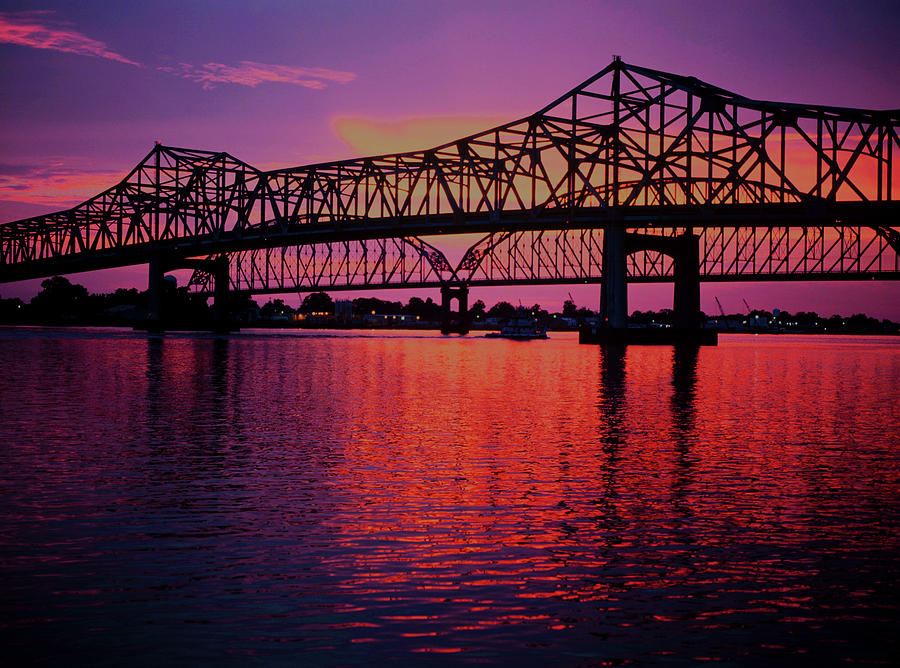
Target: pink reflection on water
<point>481,494</point>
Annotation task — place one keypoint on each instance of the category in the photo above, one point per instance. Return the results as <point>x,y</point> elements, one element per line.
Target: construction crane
<point>747,305</point>
<point>721,310</point>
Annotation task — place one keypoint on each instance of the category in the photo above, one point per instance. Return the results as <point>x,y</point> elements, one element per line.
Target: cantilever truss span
<point>774,190</point>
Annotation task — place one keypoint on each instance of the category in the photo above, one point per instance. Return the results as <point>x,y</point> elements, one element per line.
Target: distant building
<point>343,310</point>
<point>250,315</point>
<point>386,320</point>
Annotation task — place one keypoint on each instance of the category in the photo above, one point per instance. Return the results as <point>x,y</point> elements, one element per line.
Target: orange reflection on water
<point>479,494</point>
<point>604,473</point>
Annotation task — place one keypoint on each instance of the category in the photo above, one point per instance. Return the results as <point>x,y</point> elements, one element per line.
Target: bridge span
<point>634,175</point>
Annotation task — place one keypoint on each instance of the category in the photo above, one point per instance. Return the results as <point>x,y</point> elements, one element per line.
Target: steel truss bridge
<point>635,175</point>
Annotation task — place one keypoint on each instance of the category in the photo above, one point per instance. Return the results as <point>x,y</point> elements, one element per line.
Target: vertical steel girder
<point>630,144</point>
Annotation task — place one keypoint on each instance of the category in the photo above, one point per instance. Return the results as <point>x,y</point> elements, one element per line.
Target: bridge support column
<point>686,302</point>
<point>220,294</point>
<point>685,253</point>
<point>614,288</point>
<point>458,322</point>
<point>155,294</point>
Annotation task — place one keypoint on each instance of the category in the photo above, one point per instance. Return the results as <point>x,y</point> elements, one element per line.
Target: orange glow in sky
<point>367,136</point>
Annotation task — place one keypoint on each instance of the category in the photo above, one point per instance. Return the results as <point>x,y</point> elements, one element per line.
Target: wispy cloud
<point>37,30</point>
<point>40,30</point>
<point>58,183</point>
<point>249,73</point>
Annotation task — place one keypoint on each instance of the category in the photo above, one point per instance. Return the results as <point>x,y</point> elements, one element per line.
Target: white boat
<point>522,326</point>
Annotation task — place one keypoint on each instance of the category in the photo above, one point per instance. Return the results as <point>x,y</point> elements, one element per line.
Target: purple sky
<point>88,87</point>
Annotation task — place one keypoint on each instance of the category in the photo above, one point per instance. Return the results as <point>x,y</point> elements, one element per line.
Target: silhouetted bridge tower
<point>635,175</point>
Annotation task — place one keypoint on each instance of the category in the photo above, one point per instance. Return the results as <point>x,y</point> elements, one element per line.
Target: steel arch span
<point>631,148</point>
<point>405,262</point>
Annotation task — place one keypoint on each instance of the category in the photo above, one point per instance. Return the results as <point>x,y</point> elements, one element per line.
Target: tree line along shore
<point>61,303</point>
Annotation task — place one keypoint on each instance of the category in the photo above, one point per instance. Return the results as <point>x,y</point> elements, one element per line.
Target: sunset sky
<point>88,87</point>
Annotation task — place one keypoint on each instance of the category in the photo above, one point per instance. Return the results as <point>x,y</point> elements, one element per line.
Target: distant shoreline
<point>435,327</point>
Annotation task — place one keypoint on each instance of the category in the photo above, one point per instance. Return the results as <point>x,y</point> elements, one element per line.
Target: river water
<point>346,498</point>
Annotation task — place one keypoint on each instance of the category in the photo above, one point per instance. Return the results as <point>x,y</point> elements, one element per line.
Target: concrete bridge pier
<point>219,270</point>
<point>455,322</point>
<point>614,288</point>
<point>685,253</point>
<point>156,277</point>
<point>686,270</point>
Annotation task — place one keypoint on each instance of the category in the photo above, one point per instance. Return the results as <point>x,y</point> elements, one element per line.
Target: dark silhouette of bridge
<point>635,175</point>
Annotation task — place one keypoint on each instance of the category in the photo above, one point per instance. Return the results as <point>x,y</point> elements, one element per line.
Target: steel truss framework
<point>631,146</point>
<point>340,265</point>
<point>726,254</point>
<point>562,256</point>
